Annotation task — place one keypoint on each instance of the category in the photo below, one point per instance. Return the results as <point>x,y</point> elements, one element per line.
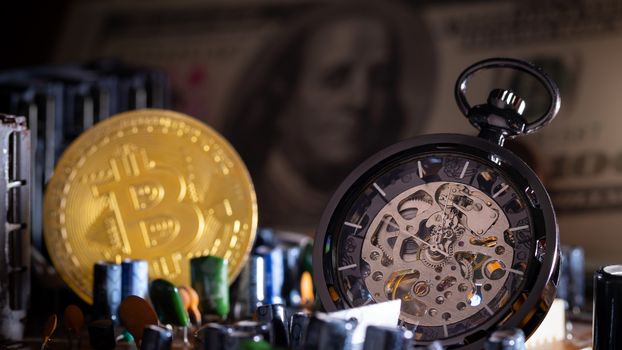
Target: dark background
<point>30,31</point>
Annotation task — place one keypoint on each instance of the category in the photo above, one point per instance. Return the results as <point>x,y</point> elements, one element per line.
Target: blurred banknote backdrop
<point>306,90</point>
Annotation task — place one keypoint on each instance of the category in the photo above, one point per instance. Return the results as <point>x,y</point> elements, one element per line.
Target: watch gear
<point>458,228</point>
<point>439,256</point>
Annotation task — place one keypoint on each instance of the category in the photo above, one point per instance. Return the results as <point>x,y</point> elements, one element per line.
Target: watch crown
<point>506,99</point>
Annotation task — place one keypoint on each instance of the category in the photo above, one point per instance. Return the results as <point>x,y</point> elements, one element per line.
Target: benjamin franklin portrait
<point>337,85</point>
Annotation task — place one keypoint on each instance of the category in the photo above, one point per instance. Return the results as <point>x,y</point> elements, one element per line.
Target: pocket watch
<point>457,227</point>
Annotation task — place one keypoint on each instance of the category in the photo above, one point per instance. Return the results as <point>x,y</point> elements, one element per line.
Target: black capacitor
<point>211,336</point>
<point>263,330</point>
<point>506,339</point>
<point>329,334</point>
<point>251,287</point>
<point>571,285</point>
<point>274,273</point>
<point>276,315</point>
<point>101,335</point>
<point>264,237</point>
<point>134,278</point>
<point>106,290</point>
<point>306,260</point>
<point>608,308</point>
<point>298,324</point>
<point>293,272</point>
<point>156,338</point>
<point>386,338</point>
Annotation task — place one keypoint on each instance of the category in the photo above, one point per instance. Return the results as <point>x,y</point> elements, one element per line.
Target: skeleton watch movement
<point>457,227</point>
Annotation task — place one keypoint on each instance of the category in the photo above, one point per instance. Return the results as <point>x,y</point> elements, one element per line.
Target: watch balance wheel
<point>457,227</point>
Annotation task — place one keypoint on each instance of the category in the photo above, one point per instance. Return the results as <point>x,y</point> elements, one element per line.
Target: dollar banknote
<point>306,90</point>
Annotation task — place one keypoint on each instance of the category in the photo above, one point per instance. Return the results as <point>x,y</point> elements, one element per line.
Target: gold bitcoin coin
<point>148,184</point>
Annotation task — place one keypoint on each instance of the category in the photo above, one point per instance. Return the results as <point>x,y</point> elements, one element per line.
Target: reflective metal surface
<point>149,184</point>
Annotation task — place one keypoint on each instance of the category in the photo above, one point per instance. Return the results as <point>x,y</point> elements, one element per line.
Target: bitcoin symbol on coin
<point>153,185</point>
<point>141,194</point>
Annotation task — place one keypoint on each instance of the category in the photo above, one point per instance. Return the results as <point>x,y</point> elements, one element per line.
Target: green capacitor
<point>306,258</point>
<point>167,303</point>
<point>209,279</point>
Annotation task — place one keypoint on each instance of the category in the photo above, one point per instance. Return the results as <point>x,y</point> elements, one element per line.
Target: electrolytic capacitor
<point>156,338</point>
<point>212,336</point>
<point>329,334</point>
<point>276,315</point>
<point>264,237</point>
<point>274,273</point>
<point>506,339</point>
<point>106,290</point>
<point>101,335</point>
<point>293,271</point>
<point>306,260</point>
<point>386,338</point>
<point>134,278</point>
<point>571,286</point>
<point>298,324</point>
<point>250,288</point>
<point>608,308</point>
<point>209,279</point>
